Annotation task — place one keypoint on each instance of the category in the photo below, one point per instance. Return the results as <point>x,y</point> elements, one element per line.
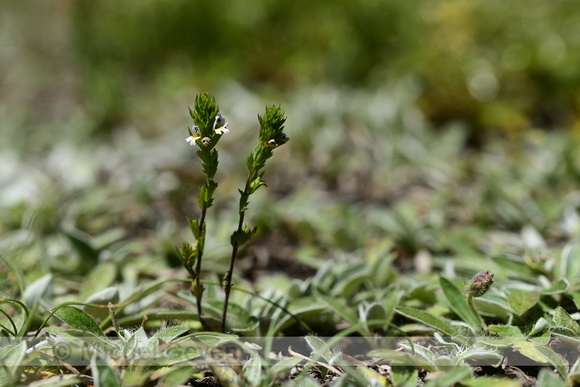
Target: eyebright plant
<point>271,136</point>
<point>209,126</point>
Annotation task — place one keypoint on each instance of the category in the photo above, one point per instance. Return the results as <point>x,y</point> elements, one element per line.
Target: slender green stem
<point>196,281</point>
<point>474,311</point>
<point>235,247</point>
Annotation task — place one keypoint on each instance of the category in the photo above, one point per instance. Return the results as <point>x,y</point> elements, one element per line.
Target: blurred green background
<point>386,101</point>
<point>492,65</point>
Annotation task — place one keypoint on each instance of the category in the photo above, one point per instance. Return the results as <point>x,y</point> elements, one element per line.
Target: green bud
<point>197,290</point>
<point>479,284</point>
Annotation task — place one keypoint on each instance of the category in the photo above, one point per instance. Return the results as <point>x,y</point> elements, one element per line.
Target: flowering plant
<point>209,126</point>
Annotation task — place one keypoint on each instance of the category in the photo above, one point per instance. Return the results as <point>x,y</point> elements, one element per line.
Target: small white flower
<point>196,134</point>
<point>192,140</point>
<point>220,126</point>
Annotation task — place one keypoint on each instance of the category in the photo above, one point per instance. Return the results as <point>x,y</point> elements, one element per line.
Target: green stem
<point>475,313</point>
<point>228,276</point>
<point>196,281</point>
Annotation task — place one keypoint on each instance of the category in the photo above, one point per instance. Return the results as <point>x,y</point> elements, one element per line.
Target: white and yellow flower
<point>195,135</point>
<point>220,126</point>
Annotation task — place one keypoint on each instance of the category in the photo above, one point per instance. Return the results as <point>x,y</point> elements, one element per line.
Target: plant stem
<point>228,276</point>
<point>196,281</point>
<point>474,311</point>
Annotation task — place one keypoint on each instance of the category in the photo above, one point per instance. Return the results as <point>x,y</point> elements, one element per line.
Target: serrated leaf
<point>239,238</point>
<point>458,303</point>
<point>194,226</point>
<point>78,319</point>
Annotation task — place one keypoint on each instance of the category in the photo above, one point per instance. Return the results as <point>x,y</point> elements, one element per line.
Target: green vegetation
<point>422,226</point>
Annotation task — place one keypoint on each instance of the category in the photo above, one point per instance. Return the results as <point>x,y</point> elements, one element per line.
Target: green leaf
<point>41,288</point>
<point>390,301</point>
<point>239,238</point>
<point>89,256</point>
<point>375,311</point>
<point>110,294</point>
<point>178,376</point>
<point>283,366</point>
<point>547,377</point>
<point>372,376</point>
<point>170,333</point>
<point>319,347</point>
<point>530,350</point>
<point>194,226</point>
<point>452,377</point>
<point>427,319</point>
<point>458,303</point>
<point>522,300</point>
<point>491,357</point>
<point>139,344</point>
<point>338,306</point>
<point>78,319</point>
<point>554,359</point>
<point>103,375</point>
<point>12,355</point>
<point>492,382</point>
<point>507,331</point>
<point>301,307</point>
<point>404,376</point>
<point>179,354</point>
<point>253,371</point>
<point>98,279</point>
<point>563,319</point>
<point>558,287</point>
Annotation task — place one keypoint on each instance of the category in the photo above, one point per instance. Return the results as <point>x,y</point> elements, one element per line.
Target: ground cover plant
<point>384,296</point>
<point>421,227</point>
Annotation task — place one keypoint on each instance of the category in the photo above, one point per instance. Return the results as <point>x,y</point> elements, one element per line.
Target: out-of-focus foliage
<point>493,64</point>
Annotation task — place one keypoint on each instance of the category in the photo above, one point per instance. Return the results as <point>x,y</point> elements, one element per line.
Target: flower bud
<point>206,141</point>
<point>480,284</point>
